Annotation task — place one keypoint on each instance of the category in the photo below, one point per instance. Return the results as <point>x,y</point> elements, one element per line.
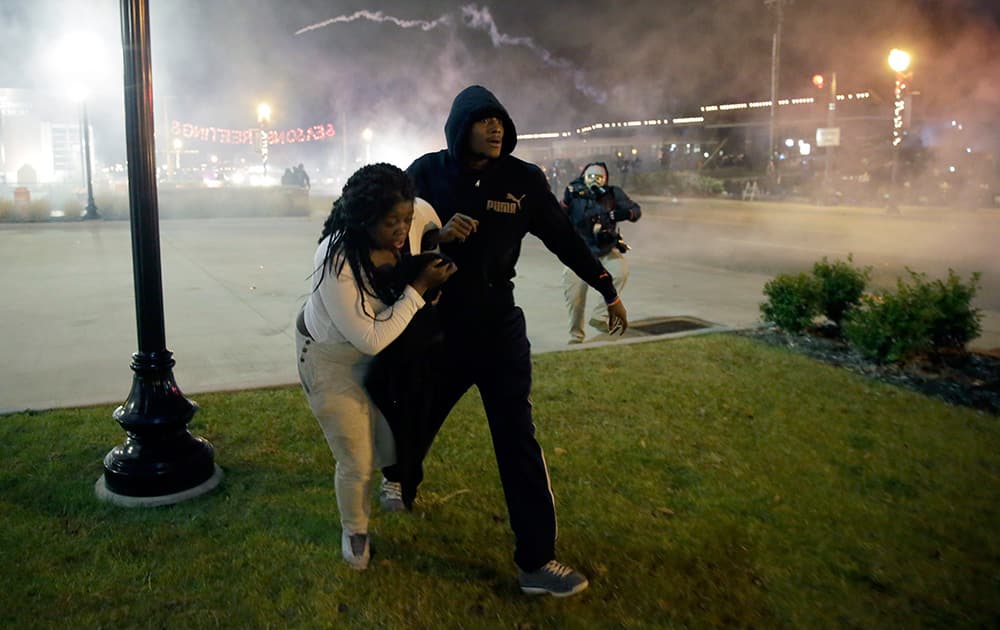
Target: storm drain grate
<point>667,325</point>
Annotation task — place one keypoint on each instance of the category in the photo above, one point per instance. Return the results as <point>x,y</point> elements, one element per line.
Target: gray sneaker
<point>356,549</point>
<point>390,496</point>
<point>554,578</point>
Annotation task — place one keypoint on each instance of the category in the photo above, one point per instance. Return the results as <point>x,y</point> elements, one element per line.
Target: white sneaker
<point>390,496</point>
<point>356,549</point>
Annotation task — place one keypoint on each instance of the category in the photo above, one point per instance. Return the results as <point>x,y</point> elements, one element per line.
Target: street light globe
<point>178,144</point>
<point>263,113</point>
<point>367,134</point>
<point>77,56</point>
<point>899,60</point>
<point>78,92</point>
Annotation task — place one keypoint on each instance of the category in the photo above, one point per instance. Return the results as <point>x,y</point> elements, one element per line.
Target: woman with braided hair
<point>350,316</point>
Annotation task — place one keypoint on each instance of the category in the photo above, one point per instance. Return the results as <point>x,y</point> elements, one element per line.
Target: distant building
<point>44,136</point>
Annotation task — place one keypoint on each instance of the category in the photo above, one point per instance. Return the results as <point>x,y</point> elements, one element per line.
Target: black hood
<point>475,103</point>
<point>607,171</point>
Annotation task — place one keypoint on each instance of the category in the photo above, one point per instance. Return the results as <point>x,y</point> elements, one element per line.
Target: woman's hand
<point>458,228</point>
<point>434,273</point>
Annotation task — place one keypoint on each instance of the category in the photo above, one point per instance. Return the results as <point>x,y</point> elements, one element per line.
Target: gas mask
<point>595,176</point>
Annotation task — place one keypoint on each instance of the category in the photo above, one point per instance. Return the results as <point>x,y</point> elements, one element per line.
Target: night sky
<point>563,64</point>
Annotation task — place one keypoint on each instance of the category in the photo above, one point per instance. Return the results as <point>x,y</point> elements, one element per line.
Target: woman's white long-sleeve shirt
<point>334,313</point>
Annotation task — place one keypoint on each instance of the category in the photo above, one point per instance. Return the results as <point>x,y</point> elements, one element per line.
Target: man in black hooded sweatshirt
<point>488,200</point>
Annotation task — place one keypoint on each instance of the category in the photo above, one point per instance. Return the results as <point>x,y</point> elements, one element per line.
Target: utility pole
<point>831,122</point>
<point>779,6</point>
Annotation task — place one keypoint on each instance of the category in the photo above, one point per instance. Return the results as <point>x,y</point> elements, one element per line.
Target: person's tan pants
<point>332,376</point>
<point>575,291</point>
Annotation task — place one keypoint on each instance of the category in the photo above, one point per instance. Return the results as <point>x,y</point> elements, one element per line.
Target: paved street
<point>786,237</point>
<point>232,286</point>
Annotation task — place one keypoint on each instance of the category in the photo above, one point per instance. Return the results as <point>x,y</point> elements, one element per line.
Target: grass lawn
<point>702,481</point>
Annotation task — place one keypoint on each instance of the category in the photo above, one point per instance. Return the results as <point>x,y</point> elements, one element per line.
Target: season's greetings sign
<point>180,129</point>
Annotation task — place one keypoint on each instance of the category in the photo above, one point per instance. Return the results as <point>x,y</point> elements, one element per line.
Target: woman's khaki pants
<point>332,376</point>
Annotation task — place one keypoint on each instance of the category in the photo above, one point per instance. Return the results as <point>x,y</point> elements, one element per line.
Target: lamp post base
<point>160,462</point>
<point>104,493</point>
<point>91,213</point>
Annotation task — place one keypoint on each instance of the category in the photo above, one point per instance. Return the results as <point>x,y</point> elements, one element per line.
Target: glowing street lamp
<point>263,119</point>
<point>367,136</point>
<point>263,113</point>
<point>899,61</point>
<point>76,57</point>
<point>829,137</point>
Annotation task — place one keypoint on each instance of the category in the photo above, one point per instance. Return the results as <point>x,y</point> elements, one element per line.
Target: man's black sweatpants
<point>495,356</point>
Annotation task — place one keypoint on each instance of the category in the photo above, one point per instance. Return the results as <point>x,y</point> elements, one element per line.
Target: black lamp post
<point>91,206</point>
<point>772,167</point>
<point>160,462</point>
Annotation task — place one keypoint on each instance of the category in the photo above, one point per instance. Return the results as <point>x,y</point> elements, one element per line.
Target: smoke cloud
<point>478,18</point>
<point>395,65</point>
<point>377,16</point>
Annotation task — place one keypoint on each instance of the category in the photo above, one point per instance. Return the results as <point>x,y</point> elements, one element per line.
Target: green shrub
<point>955,322</point>
<point>6,210</point>
<point>674,182</point>
<point>793,301</point>
<point>841,286</point>
<point>72,209</point>
<point>653,183</point>
<point>886,327</point>
<point>919,317</point>
<point>695,183</point>
<point>39,210</point>
<point>112,206</point>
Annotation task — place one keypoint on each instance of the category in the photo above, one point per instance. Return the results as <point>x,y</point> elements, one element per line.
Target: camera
<point>606,237</point>
<point>605,233</point>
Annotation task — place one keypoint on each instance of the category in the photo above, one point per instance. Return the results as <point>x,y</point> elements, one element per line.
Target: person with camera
<point>595,208</point>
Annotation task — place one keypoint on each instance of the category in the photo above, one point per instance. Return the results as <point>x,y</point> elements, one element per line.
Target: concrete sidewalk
<point>231,290</point>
